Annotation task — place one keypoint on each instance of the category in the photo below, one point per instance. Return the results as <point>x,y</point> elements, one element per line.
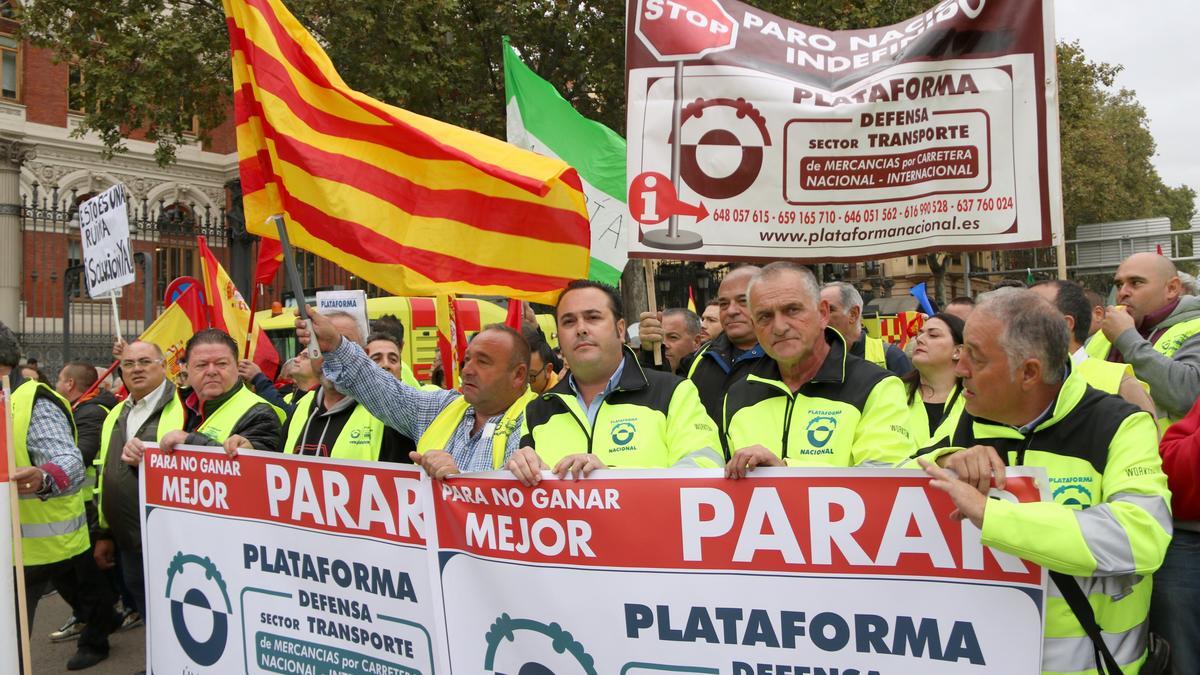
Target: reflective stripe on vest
<point>360,438</point>
<point>219,425</point>
<point>437,435</point>
<point>875,352</point>
<point>696,361</point>
<point>55,529</point>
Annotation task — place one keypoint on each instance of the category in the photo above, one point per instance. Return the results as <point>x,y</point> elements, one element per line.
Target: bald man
<point>1155,331</point>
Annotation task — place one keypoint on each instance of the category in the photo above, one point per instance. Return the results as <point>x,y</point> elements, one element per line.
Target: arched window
<point>177,218</point>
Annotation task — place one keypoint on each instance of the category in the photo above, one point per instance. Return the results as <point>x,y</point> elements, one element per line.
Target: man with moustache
<point>727,358</point>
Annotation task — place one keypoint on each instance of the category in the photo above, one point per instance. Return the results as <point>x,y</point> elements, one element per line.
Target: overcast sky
<point>1157,43</point>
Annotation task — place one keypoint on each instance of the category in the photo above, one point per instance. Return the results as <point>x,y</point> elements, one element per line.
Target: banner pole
<point>652,301</point>
<point>112,295</point>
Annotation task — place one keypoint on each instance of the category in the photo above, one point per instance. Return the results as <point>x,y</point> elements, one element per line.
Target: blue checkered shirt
<point>50,441</point>
<point>410,411</point>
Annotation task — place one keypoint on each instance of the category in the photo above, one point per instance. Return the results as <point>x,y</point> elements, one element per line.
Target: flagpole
<point>254,290</point>
<point>112,295</point>
<point>293,274</point>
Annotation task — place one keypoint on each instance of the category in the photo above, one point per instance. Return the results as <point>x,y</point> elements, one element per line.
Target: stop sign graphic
<point>684,30</point>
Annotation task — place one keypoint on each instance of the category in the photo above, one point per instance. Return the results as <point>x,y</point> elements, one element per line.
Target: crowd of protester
<point>777,371</point>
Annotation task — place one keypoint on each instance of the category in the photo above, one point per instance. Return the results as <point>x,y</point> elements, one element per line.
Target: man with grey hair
<point>327,423</point>
<point>845,316</point>
<point>1107,528</point>
<point>726,358</point>
<point>680,336</point>
<point>1190,285</point>
<point>810,402</point>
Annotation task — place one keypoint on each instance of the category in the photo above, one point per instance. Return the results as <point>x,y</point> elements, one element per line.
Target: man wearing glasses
<point>137,417</point>
<point>542,375</point>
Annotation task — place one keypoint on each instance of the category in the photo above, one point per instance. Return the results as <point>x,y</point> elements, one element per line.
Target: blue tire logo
<point>622,432</point>
<point>197,602</point>
<point>1073,495</point>
<point>820,430</point>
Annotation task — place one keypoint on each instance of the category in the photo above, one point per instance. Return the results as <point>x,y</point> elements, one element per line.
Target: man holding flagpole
<point>476,430</point>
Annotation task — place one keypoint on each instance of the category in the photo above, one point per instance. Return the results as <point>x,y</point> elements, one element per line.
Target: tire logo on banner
<point>527,647</point>
<point>199,605</point>
<point>727,157</point>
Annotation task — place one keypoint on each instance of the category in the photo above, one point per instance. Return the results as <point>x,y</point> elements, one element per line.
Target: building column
<point>13,153</point>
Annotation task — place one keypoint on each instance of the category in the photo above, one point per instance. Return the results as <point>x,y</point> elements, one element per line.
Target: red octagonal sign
<point>684,30</point>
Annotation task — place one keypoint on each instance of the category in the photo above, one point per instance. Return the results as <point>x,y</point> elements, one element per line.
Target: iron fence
<point>59,322</point>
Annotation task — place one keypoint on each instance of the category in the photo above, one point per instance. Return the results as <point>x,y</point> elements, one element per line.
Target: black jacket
<point>260,425</point>
<point>321,430</point>
<point>119,496</point>
<point>89,418</point>
<point>717,370</point>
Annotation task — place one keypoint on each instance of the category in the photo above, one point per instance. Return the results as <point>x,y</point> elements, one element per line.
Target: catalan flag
<point>413,205</point>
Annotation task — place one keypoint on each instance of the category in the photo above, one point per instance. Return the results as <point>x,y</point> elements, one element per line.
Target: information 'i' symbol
<point>650,201</point>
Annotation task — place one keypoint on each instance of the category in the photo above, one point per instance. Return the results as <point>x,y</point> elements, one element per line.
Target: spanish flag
<point>413,205</point>
<point>172,330</point>
<point>230,313</point>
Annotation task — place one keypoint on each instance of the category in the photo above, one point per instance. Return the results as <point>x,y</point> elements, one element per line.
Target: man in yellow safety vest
<point>54,528</point>
<point>475,430</point>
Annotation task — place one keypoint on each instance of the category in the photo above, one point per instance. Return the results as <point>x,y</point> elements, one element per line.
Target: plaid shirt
<point>50,441</point>
<point>410,411</point>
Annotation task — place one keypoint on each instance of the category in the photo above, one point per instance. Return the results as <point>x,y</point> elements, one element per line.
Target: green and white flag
<point>541,120</point>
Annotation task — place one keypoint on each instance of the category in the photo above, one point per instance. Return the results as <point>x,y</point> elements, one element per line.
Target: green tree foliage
<point>157,64</point>
<point>1107,150</point>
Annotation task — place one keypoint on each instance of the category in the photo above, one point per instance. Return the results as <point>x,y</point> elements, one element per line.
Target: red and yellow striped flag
<point>413,205</point>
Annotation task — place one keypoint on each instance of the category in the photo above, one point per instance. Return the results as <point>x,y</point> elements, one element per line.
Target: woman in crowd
<point>934,392</point>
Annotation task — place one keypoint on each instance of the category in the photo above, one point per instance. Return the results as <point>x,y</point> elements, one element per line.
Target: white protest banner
<point>789,572</point>
<point>9,643</point>
<point>768,139</point>
<point>353,303</point>
<point>272,563</point>
<point>107,256</point>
